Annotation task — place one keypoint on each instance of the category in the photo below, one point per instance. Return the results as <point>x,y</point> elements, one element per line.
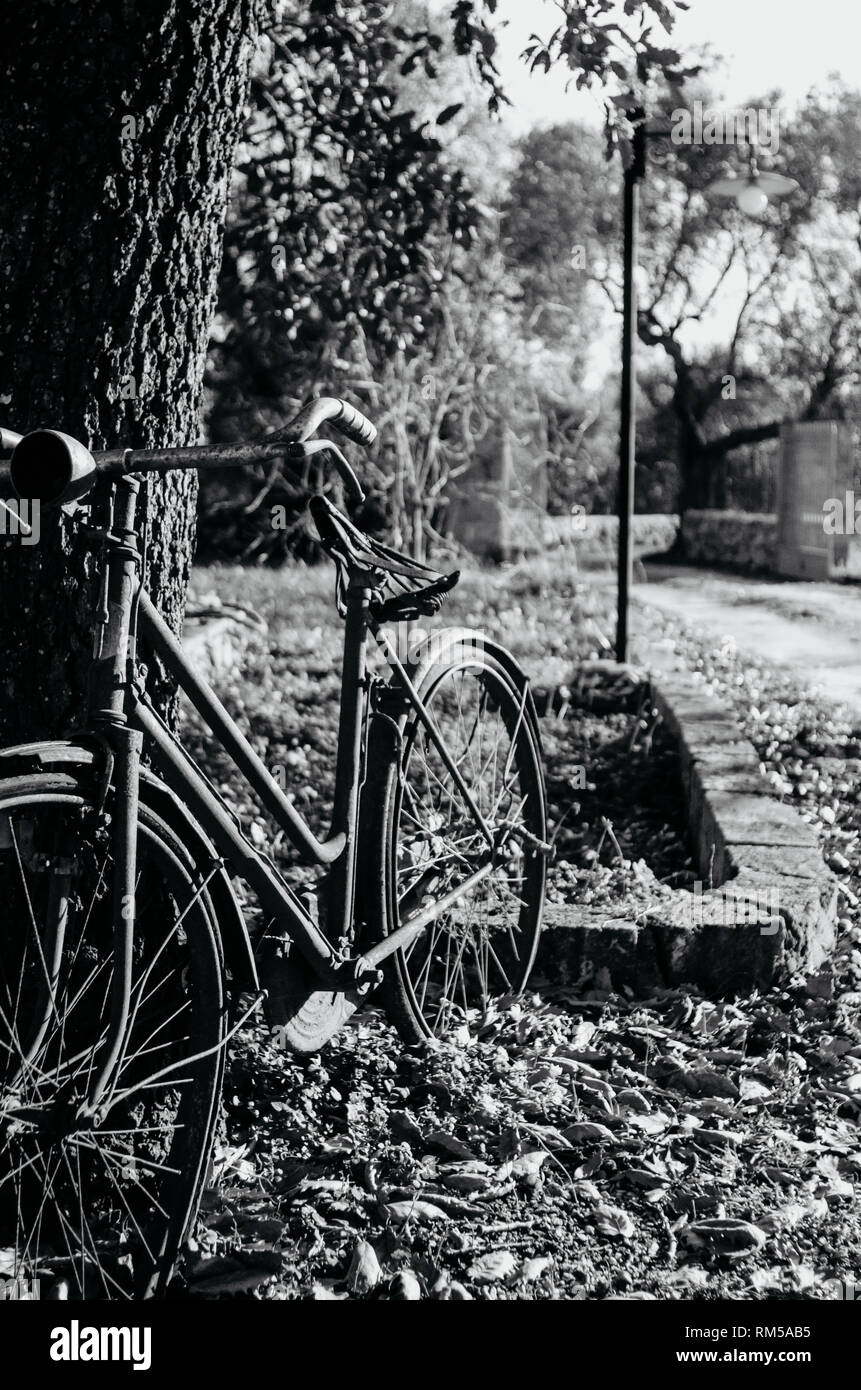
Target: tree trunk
<point>118,123</point>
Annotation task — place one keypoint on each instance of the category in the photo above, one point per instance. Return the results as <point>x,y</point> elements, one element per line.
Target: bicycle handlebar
<point>56,469</point>
<point>118,463</point>
<point>327,409</point>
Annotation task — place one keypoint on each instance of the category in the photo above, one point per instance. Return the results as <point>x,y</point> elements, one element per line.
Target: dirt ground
<point>810,629</point>
<point>589,1145</point>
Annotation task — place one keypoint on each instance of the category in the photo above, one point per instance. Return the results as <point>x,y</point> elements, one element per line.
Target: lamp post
<point>634,174</point>
<point>752,193</point>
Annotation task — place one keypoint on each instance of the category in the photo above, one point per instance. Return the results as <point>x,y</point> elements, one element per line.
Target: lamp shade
<point>753,192</point>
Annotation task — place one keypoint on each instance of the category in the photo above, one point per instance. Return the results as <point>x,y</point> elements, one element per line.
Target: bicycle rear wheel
<point>101,1206</point>
<point>426,842</point>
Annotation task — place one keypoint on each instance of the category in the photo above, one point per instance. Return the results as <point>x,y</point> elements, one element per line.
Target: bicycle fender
<point>48,756</point>
<point>436,646</point>
<point>66,755</point>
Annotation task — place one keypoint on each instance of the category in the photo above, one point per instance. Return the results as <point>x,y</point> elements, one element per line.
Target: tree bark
<point>118,124</point>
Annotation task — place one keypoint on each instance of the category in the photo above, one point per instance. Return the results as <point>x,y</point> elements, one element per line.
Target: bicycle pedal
<point>275,970</point>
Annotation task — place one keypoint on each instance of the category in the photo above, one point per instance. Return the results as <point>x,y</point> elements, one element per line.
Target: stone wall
<point>745,541</point>
<point>765,905</point>
<point>498,506</point>
<point>594,539</point>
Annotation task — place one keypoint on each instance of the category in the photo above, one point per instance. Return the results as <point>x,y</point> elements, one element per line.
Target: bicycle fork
<point>128,745</point>
<point>113,666</point>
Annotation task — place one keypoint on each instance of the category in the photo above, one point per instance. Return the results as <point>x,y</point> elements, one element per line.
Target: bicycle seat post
<point>359,589</point>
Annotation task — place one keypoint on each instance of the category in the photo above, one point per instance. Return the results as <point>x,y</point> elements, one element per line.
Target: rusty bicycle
<point>126,962</point>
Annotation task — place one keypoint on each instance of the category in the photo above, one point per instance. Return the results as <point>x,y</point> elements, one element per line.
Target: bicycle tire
<point>406,826</point>
<point>117,1198</point>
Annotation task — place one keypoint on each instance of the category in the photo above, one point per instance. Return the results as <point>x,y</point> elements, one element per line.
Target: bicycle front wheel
<point>476,842</point>
<point>101,1204</point>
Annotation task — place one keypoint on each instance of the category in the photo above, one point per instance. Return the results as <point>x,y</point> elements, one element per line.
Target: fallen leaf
<point>237,1280</point>
<point>750,1090</point>
<point>792,1213</point>
<point>631,1099</point>
<point>457,1293</point>
<point>447,1144</point>
<point>466,1183</point>
<point>406,1287</point>
<point>587,1190</point>
<point>717,1138</point>
<point>321,1292</point>
<point>405,1129</point>
<point>725,1235</point>
<point>587,1132</point>
<point>613,1221</point>
<point>413,1211</point>
<point>364,1272</point>
<point>655,1123</point>
<point>490,1268</point>
<point>533,1269</point>
<point>784,1176</point>
<point>692,1276</point>
<point>529,1165</point>
<point>703,1081</point>
<point>643,1177</point>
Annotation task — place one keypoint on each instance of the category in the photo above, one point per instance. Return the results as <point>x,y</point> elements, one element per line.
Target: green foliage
<point>620,56</point>
<point>354,253</point>
<point>343,221</point>
<point>339,194</point>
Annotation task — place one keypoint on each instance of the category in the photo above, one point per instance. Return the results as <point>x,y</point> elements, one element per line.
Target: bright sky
<point>758,46</point>
<point>791,44</point>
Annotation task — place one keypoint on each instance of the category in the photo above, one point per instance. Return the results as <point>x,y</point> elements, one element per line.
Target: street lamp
<point>752,193</point>
<point>635,172</point>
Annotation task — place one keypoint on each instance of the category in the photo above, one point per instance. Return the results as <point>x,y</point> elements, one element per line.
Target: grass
<point>286,698</point>
<point>589,1145</point>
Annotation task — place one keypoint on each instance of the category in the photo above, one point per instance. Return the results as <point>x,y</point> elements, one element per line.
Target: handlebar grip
<point>355,425</point>
<point>345,417</point>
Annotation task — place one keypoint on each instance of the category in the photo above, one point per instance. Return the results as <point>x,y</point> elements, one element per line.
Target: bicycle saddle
<point>414,589</point>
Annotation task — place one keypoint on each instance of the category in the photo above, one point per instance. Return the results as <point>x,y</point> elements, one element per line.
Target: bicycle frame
<point>121,711</point>
<point>337,852</point>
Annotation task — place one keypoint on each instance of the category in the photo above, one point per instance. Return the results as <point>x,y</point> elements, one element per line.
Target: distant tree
<point>790,280</point>
<point>559,202</point>
<point>758,320</point>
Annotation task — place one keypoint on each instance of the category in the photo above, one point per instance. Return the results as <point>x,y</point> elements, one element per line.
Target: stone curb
<point>771,905</point>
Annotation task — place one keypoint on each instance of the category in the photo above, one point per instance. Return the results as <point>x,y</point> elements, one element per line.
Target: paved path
<point>813,629</point>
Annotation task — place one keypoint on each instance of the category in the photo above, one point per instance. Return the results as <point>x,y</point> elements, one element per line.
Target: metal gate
<point>816,464</point>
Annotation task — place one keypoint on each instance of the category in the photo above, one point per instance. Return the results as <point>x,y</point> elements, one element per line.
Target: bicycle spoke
<point>123,1189</point>
<point>482,944</point>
